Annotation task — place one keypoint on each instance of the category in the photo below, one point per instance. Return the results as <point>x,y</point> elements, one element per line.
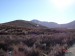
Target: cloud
<point>62,4</point>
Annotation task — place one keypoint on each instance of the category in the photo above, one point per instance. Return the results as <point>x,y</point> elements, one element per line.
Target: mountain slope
<point>23,23</point>
<point>47,24</point>
<point>70,25</point>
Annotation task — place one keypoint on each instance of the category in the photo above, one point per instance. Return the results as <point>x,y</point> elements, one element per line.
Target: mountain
<point>40,24</point>
<point>47,24</point>
<point>70,25</point>
<point>23,23</point>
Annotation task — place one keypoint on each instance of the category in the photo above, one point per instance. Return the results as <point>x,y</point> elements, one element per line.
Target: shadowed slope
<point>23,23</point>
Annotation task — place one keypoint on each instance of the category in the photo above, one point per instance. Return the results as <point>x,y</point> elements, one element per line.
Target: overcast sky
<point>59,11</point>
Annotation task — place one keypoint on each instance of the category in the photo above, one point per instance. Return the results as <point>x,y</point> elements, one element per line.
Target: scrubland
<point>35,41</point>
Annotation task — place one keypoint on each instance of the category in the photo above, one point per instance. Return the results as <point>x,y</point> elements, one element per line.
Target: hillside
<point>34,42</point>
<point>22,23</point>
<point>70,25</point>
<point>47,24</point>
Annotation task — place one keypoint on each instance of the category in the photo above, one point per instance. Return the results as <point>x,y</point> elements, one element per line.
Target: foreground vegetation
<point>35,41</point>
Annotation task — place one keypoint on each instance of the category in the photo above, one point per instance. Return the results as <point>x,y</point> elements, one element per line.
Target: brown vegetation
<point>35,41</point>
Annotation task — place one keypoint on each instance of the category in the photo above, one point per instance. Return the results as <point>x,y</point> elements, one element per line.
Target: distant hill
<point>47,24</point>
<point>23,23</point>
<point>70,25</point>
<point>40,24</point>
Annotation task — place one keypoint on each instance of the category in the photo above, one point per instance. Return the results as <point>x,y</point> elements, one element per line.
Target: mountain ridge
<point>23,23</point>
<point>40,24</point>
<point>69,25</point>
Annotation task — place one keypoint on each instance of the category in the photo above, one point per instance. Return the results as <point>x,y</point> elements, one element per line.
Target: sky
<point>59,11</point>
